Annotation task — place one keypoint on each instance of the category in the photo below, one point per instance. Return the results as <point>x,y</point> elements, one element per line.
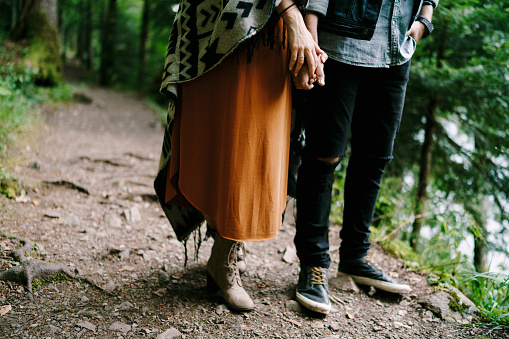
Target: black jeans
<point>368,102</point>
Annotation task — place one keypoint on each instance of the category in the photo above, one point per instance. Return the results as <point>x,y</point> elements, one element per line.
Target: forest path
<point>118,236</point>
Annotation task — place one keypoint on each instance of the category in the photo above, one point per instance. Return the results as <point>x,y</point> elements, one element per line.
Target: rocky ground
<point>90,206</point>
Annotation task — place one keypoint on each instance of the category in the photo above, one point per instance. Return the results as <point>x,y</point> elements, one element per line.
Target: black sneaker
<point>313,289</point>
<point>365,272</point>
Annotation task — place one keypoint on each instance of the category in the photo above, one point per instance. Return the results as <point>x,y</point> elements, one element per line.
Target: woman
<point>225,153</point>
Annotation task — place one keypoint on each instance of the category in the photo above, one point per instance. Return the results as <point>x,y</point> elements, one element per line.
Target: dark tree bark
<point>143,42</point>
<point>424,173</point>
<point>108,44</point>
<point>425,161</point>
<point>38,25</point>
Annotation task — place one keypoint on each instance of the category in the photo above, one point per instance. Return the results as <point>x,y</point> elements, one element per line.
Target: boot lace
<point>317,276</point>
<point>238,250</point>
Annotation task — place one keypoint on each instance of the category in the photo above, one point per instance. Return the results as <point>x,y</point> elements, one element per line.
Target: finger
<point>311,60</point>
<point>324,57</point>
<point>320,74</point>
<point>300,62</point>
<point>293,59</point>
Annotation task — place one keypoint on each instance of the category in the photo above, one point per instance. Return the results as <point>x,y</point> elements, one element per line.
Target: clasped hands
<point>306,57</point>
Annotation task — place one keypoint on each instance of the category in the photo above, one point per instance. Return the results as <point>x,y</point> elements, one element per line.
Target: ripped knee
<point>330,160</point>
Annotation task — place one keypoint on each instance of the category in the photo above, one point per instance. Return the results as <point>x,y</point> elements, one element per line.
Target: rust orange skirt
<point>230,144</point>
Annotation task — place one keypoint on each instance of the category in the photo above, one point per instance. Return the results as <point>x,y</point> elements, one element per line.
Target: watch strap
<point>427,23</point>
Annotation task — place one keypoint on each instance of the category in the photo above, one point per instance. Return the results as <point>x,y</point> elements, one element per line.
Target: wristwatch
<point>427,23</point>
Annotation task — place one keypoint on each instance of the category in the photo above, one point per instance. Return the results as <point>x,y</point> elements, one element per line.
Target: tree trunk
<point>38,25</point>
<point>143,42</point>
<point>480,243</point>
<point>108,44</point>
<point>425,169</point>
<point>88,36</point>
<point>426,152</point>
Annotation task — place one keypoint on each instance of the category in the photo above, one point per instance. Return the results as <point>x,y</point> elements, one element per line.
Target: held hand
<point>303,48</point>
<point>303,81</point>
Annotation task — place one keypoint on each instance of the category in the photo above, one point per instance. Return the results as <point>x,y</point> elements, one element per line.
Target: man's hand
<point>418,29</point>
<point>303,81</point>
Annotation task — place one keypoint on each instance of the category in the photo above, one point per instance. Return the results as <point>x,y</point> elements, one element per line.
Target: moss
<point>9,187</point>
<point>455,303</point>
<point>44,51</point>
<point>57,277</point>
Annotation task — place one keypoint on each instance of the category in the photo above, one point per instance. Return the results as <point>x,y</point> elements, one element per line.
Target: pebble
<point>84,299</point>
<point>72,220</point>
<point>87,325</point>
<point>169,334</point>
<point>51,328</point>
<point>111,286</point>
<point>118,326</point>
<point>112,220</point>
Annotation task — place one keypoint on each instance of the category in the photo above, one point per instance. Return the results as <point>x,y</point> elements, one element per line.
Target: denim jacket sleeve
<point>318,6</point>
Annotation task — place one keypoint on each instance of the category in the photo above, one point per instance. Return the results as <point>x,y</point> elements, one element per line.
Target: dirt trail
<point>118,236</point>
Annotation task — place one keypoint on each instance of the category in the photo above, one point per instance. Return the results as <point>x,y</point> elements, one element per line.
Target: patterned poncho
<point>203,34</point>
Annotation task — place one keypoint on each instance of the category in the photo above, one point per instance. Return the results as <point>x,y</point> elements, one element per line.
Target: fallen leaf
<point>4,309</point>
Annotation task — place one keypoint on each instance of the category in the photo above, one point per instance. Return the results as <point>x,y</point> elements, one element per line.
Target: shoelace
<point>233,257</point>
<point>317,276</point>
<point>372,263</point>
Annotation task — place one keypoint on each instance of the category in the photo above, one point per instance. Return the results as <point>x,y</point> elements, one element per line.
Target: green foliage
<point>490,292</point>
<point>18,97</point>
<point>44,51</point>
<point>36,283</point>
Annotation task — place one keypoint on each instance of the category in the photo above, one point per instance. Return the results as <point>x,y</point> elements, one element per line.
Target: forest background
<point>444,202</point>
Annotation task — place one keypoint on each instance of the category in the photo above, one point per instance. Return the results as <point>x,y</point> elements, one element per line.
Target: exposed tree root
<point>30,269</point>
<point>67,184</point>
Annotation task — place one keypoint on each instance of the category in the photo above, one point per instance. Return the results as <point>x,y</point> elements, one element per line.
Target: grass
<point>19,97</point>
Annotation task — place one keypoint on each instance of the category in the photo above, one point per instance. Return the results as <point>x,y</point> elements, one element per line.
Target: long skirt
<point>230,143</point>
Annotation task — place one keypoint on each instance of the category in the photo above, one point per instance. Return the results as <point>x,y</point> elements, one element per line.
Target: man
<point>369,43</point>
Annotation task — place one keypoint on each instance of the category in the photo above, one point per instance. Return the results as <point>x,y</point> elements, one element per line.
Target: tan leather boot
<point>241,255</point>
<point>223,274</point>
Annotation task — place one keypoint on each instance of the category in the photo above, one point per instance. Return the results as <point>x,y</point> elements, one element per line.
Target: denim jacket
<point>355,18</point>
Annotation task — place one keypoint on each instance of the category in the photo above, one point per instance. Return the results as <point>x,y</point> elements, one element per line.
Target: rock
<point>290,255</point>
<point>110,286</point>
<point>221,309</point>
<point>163,277</point>
<point>335,327</point>
<point>126,305</point>
<point>84,299</point>
<point>169,334</point>
<point>124,254</point>
<point>132,214</point>
<point>450,305</point>
<point>51,328</point>
<point>72,220</point>
<point>344,283</point>
<point>52,214</point>
<point>372,291</point>
<point>87,325</point>
<point>293,306</point>
<point>118,326</point>
<point>112,220</point>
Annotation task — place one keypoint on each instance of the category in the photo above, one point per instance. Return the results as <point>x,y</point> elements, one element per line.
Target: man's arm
<point>419,29</point>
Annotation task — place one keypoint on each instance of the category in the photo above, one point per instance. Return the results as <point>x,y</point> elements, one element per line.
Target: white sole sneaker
<point>313,305</point>
<point>382,285</point>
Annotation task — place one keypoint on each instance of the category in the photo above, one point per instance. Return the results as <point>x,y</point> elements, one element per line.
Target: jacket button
<point>365,31</point>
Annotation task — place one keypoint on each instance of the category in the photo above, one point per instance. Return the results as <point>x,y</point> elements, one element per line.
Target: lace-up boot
<point>364,272</point>
<point>313,289</point>
<point>241,254</point>
<point>223,273</point>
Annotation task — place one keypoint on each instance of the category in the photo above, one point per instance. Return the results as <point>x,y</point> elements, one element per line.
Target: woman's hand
<point>303,48</point>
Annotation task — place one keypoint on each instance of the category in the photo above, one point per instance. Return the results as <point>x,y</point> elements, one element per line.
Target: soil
<point>114,232</point>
